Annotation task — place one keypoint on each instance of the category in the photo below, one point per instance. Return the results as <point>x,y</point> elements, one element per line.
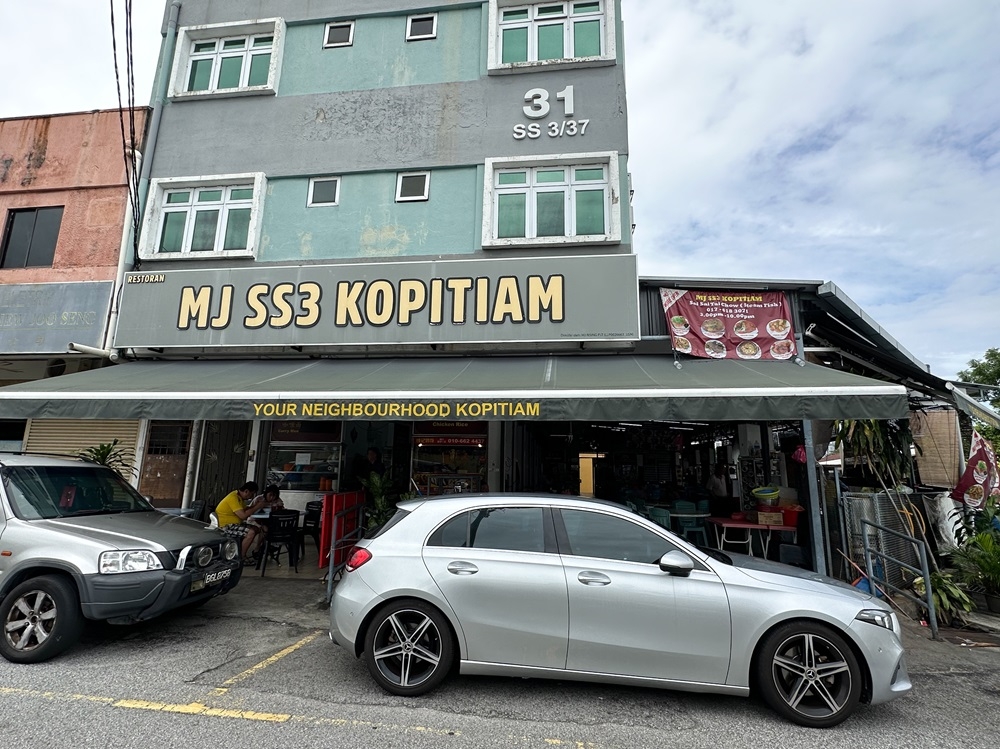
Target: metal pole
<point>194,454</point>
<point>160,96</point>
<point>815,509</point>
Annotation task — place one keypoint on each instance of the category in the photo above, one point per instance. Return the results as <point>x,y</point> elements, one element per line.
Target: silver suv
<point>78,542</point>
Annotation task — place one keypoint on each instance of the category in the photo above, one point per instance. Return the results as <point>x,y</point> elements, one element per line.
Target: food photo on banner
<point>979,480</point>
<point>729,324</point>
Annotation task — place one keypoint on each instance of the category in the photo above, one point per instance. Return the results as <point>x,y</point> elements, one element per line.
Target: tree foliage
<point>986,371</point>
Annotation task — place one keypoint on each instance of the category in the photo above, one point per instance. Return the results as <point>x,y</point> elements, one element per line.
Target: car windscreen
<point>46,492</point>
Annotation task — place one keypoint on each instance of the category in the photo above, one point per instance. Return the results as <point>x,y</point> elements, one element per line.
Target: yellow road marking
<point>198,708</point>
<point>266,662</point>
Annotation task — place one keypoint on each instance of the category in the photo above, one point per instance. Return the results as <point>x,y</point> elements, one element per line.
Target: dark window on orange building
<point>29,238</point>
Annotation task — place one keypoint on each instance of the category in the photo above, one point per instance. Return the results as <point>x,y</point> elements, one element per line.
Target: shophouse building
<point>402,226</point>
<point>65,227</point>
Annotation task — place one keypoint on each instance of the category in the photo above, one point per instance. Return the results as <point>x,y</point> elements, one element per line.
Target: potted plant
<point>978,564</point>
<point>380,508</point>
<point>111,454</point>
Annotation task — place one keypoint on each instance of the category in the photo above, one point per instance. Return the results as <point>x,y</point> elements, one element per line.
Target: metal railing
<point>875,580</point>
<point>343,542</point>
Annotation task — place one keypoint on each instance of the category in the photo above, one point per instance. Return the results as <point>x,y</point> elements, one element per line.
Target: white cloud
<point>849,141</point>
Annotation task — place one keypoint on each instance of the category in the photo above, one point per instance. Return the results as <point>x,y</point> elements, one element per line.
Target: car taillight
<point>356,557</point>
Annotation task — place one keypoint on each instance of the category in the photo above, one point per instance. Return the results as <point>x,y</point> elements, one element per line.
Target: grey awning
<point>545,388</point>
<point>973,407</point>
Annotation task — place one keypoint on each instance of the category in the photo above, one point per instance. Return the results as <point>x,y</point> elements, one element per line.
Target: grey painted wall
<point>450,124</point>
<point>195,12</point>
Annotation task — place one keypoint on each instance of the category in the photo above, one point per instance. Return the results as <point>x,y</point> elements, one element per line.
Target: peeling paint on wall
<point>305,244</point>
<point>383,240</point>
<point>36,156</point>
<point>5,163</point>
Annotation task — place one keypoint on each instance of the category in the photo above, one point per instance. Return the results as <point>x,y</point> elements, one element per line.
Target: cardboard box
<point>771,518</point>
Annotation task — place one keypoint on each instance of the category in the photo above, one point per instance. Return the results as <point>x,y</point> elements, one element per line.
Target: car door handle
<point>462,568</point>
<point>593,578</point>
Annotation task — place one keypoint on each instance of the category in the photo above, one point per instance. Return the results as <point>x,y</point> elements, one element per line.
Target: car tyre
<point>40,618</point>
<point>808,673</point>
<point>409,648</point>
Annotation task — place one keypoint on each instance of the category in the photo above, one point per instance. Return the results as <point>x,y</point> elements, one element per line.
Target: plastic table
<point>724,525</point>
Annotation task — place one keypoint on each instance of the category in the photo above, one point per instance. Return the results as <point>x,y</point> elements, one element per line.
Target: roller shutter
<point>70,436</point>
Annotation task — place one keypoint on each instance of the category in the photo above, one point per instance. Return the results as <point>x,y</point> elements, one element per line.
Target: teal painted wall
<point>381,57</point>
<point>369,223</point>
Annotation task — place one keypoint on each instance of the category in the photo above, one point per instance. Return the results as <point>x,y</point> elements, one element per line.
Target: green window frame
<point>551,31</point>
<point>205,219</point>
<point>228,63</point>
<point>560,200</point>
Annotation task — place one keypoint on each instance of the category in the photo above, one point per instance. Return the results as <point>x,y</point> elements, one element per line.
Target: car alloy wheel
<point>809,674</point>
<point>408,648</point>
<point>40,618</point>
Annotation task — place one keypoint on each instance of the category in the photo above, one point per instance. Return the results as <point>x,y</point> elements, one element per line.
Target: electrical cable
<point>129,144</point>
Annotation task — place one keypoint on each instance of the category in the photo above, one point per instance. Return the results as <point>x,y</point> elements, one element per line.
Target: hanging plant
<point>882,446</point>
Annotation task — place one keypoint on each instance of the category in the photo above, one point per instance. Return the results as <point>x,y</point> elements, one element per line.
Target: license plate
<point>217,577</point>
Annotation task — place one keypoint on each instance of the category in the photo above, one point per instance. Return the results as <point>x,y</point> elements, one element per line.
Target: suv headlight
<point>117,562</point>
<point>229,550</point>
<point>878,617</point>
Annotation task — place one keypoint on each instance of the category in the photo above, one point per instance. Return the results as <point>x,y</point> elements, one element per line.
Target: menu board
<point>729,324</point>
<point>980,478</point>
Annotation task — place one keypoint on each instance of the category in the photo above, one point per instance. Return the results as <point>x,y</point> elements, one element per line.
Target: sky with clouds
<point>846,141</point>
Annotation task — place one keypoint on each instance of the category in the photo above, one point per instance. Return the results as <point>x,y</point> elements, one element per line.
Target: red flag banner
<point>729,324</point>
<point>979,480</point>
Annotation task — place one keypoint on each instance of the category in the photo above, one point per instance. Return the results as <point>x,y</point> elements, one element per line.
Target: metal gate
<point>225,447</point>
<point>864,513</point>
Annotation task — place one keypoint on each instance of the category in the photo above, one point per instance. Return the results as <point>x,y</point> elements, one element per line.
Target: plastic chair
<point>311,524</point>
<point>660,516</point>
<point>282,532</point>
<point>197,510</point>
<point>213,520</point>
<point>691,526</point>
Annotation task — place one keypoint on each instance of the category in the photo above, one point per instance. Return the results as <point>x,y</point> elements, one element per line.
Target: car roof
<point>464,499</point>
<point>40,459</point>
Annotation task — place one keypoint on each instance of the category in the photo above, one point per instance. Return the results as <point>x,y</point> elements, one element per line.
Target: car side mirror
<point>676,563</point>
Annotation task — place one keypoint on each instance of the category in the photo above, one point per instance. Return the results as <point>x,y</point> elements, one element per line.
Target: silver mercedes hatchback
<point>560,587</point>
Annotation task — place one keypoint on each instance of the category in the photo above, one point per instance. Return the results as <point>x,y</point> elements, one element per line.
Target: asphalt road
<point>256,669</point>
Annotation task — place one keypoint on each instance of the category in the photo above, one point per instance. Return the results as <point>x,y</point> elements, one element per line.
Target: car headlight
<point>229,550</point>
<point>117,562</point>
<point>203,556</point>
<point>878,617</point>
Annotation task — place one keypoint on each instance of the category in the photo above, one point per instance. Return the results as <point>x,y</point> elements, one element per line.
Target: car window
<point>509,528</point>
<point>61,491</point>
<point>594,534</point>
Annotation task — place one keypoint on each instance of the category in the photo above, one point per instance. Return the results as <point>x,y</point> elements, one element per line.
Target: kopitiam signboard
<point>442,301</point>
<point>729,324</point>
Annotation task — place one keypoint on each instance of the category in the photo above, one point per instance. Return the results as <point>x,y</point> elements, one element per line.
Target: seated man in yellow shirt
<point>234,515</point>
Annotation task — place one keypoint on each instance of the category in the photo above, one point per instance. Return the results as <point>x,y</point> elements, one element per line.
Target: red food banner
<point>729,324</point>
<point>980,478</point>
